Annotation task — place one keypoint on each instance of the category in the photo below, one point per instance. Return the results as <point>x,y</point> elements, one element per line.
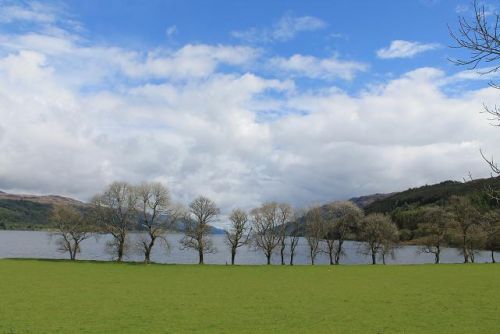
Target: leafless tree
<point>343,218</point>
<point>239,233</point>
<point>480,36</point>
<point>202,212</point>
<point>115,211</point>
<point>295,232</point>
<point>379,233</point>
<point>491,226</point>
<point>315,231</point>
<point>286,213</point>
<point>158,215</point>
<point>434,230</point>
<point>73,226</point>
<point>465,217</point>
<point>476,242</point>
<point>268,221</point>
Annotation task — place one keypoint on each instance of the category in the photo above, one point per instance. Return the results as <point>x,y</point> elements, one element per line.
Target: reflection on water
<point>36,244</point>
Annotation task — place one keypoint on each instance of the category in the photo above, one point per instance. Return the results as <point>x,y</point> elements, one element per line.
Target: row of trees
<point>271,228</point>
<point>460,223</point>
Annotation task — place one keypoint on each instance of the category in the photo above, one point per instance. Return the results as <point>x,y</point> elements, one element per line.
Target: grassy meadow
<point>88,297</point>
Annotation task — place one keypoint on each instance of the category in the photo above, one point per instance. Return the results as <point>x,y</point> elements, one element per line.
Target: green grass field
<point>86,297</point>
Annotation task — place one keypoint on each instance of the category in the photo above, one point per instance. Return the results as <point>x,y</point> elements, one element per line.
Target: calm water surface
<point>36,244</point>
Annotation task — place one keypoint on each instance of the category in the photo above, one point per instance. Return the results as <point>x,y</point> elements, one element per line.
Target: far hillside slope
<point>432,194</point>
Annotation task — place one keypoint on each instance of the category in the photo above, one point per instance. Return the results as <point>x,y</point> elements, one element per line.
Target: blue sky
<point>353,30</point>
<point>245,102</point>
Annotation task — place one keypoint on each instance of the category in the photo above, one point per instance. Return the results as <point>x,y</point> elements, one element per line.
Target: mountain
<point>432,194</point>
<point>19,211</point>
<point>46,199</point>
<point>364,201</point>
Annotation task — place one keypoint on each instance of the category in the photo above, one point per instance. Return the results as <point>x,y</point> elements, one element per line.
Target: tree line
<point>272,228</point>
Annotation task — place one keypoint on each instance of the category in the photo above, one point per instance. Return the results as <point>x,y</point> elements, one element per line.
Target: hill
<point>44,199</point>
<point>29,211</point>
<point>364,201</point>
<point>432,194</point>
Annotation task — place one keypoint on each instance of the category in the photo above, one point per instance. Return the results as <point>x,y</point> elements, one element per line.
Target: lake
<point>37,244</point>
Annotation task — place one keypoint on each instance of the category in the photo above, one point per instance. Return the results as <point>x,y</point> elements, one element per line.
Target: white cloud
<point>461,8</point>
<point>283,30</point>
<point>172,30</point>
<point>318,68</point>
<point>76,116</point>
<point>33,12</point>
<point>405,49</point>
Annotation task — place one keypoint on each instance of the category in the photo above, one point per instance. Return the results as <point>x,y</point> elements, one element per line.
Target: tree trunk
<point>374,258</point>
<point>466,254</point>
<point>149,249</point>
<point>233,255</point>
<point>75,248</point>
<point>493,256</point>
<point>282,253</point>
<point>311,255</point>
<point>200,253</point>
<point>331,256</point>
<point>383,258</point>
<point>291,258</point>
<point>339,252</point>
<point>436,260</point>
<point>268,257</point>
<point>120,250</point>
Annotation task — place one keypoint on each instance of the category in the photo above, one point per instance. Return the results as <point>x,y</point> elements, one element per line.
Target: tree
<point>73,226</point>
<point>239,233</point>
<point>202,212</point>
<point>434,230</point>
<point>465,217</point>
<point>268,222</point>
<point>295,232</point>
<point>343,219</point>
<point>115,211</point>
<point>379,234</point>
<point>158,215</point>
<point>315,227</point>
<point>481,37</point>
<point>285,213</point>
<point>491,228</point>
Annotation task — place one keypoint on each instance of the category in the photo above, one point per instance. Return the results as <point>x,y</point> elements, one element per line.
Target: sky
<point>303,102</point>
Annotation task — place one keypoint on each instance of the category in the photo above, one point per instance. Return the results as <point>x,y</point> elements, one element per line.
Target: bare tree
<point>158,215</point>
<point>202,212</point>
<point>434,230</point>
<point>73,226</point>
<point>285,212</point>
<point>491,227</point>
<point>465,217</point>
<point>343,219</point>
<point>315,231</point>
<point>116,213</point>
<point>480,36</point>
<point>295,232</point>
<point>476,242</point>
<point>239,233</point>
<point>378,232</point>
<point>390,239</point>
<point>268,222</point>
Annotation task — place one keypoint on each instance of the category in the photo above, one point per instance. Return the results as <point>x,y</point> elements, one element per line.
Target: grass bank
<point>87,297</point>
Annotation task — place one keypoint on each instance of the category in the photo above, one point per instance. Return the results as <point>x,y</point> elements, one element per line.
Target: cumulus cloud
<point>318,68</point>
<point>283,30</point>
<point>405,49</point>
<point>75,117</point>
